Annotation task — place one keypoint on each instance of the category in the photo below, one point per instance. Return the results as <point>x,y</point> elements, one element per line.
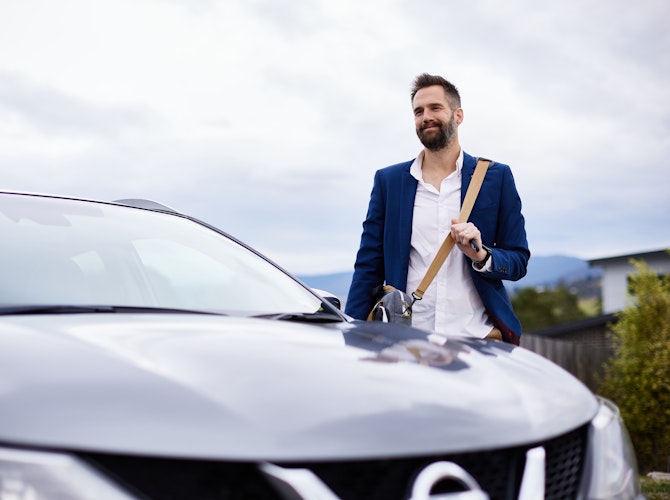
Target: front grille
<point>564,464</point>
<point>498,472</point>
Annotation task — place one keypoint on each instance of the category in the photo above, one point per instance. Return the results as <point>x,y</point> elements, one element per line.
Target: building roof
<point>625,258</point>
<point>576,327</point>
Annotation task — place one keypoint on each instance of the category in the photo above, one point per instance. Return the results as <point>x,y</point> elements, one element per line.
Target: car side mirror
<point>332,299</point>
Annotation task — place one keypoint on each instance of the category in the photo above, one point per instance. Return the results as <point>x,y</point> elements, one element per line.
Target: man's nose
<point>428,116</point>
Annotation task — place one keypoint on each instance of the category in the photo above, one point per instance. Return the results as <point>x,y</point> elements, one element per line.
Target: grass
<point>655,489</point>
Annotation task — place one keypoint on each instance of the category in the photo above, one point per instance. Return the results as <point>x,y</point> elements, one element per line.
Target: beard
<point>440,138</point>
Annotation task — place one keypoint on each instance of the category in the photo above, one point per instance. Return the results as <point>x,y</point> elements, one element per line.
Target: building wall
<point>615,276</point>
<point>615,287</point>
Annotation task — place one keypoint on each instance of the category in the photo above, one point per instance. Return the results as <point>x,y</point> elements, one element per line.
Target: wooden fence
<point>582,348</point>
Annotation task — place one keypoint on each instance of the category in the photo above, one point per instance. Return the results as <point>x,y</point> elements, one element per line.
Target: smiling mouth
<point>430,125</point>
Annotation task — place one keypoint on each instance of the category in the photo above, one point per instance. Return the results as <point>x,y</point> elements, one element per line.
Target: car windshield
<point>62,252</point>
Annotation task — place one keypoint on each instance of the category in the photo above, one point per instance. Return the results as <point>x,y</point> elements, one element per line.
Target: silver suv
<point>147,355</point>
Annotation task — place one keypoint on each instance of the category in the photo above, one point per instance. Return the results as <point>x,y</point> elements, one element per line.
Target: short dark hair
<point>425,80</point>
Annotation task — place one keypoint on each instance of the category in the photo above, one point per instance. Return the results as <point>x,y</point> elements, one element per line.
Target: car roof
<point>129,202</point>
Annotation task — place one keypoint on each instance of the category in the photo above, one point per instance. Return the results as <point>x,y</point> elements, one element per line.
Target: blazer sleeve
<point>369,266</point>
<point>497,214</point>
<point>510,252</point>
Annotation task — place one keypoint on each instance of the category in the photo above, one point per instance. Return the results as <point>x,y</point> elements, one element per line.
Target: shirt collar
<point>415,168</point>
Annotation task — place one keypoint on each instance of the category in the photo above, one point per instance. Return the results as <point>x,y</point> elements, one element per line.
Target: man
<point>415,204</point>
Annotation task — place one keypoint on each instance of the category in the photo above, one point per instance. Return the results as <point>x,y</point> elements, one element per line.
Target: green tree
<point>637,378</point>
<point>541,309</point>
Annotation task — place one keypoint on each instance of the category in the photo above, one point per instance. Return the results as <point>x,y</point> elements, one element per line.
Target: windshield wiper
<point>84,309</point>
<point>315,317</point>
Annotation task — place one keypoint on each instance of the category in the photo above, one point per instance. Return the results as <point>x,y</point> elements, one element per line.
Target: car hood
<point>238,388</point>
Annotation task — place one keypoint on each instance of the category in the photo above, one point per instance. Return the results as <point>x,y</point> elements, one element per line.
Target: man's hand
<point>464,233</point>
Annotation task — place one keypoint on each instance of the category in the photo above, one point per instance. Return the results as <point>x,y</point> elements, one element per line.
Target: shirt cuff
<point>486,268</point>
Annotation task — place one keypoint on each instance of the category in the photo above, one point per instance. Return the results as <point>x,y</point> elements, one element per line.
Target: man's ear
<point>458,116</point>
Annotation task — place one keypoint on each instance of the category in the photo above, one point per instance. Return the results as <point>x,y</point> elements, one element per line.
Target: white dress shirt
<point>451,303</point>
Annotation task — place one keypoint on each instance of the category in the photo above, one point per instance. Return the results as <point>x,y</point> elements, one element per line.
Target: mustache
<point>431,123</point>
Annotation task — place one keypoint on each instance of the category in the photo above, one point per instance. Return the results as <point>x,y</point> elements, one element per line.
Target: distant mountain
<point>550,271</point>
<point>543,271</point>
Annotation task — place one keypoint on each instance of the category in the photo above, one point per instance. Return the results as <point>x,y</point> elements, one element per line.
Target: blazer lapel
<point>469,164</point>
<point>406,208</point>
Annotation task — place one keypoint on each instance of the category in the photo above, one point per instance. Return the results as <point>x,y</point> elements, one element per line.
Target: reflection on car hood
<point>220,387</point>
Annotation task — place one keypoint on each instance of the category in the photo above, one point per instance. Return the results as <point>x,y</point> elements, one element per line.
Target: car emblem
<point>304,484</point>
<point>437,472</point>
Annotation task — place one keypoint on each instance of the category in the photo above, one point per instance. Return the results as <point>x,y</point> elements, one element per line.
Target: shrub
<point>637,378</point>
<point>542,309</point>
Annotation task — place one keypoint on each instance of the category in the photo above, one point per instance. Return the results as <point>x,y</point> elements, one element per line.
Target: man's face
<point>434,119</point>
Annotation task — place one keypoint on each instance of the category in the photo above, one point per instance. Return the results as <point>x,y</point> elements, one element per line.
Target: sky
<point>268,118</point>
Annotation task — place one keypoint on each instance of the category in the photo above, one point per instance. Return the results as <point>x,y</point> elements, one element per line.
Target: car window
<point>58,251</point>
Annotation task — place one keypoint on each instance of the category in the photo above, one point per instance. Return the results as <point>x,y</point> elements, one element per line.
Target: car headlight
<point>611,467</point>
<point>36,475</point>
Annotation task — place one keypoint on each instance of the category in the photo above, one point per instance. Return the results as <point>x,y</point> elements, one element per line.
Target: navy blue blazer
<point>383,256</point>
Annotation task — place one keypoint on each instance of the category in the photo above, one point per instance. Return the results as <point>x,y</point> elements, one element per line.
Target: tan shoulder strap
<point>448,243</point>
